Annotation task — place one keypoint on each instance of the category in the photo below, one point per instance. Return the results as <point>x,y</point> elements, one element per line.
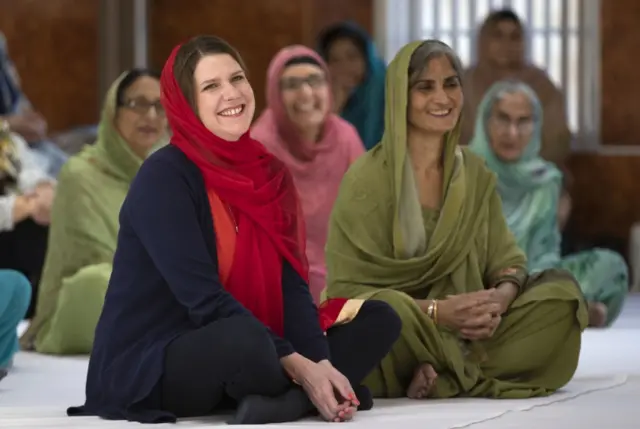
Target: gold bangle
<point>430,309</point>
<point>435,311</point>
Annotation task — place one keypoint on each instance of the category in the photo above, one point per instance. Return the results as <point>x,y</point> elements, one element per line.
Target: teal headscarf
<point>530,187</point>
<point>365,107</point>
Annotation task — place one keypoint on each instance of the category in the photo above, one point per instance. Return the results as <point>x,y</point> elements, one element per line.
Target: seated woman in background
<point>208,304</point>
<point>317,146</point>
<point>502,55</point>
<point>26,196</point>
<point>17,112</point>
<point>418,224</point>
<point>84,227</point>
<point>507,136</point>
<point>357,79</point>
<point>15,294</point>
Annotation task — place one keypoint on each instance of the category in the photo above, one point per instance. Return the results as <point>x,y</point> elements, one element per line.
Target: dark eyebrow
<point>500,112</point>
<point>209,81</point>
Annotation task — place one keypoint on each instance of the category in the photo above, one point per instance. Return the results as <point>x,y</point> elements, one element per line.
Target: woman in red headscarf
<point>208,303</point>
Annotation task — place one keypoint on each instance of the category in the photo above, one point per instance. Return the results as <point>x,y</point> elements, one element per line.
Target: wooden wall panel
<point>620,36</point>
<point>54,46</point>
<point>327,12</point>
<point>606,188</point>
<point>257,28</point>
<point>605,195</point>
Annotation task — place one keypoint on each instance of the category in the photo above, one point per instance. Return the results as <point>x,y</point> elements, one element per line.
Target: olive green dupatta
<point>380,247</point>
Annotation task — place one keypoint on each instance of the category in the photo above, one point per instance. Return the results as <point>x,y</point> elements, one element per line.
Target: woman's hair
<point>342,31</point>
<point>427,51</point>
<point>513,87</point>
<point>189,56</point>
<point>502,15</point>
<point>304,59</point>
<point>129,79</point>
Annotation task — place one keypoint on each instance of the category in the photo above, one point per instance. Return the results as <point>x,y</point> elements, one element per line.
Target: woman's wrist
<point>22,208</point>
<point>432,310</point>
<point>508,292</point>
<point>292,364</point>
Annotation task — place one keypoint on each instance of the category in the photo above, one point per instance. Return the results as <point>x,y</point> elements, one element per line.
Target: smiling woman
<point>84,218</point>
<point>317,146</point>
<point>208,304</point>
<point>418,224</point>
<point>225,104</point>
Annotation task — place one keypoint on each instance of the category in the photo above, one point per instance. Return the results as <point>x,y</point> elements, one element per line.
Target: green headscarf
<point>527,185</point>
<point>377,237</point>
<point>84,221</point>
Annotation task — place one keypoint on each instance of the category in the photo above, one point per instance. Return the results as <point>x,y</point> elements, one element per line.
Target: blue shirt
<point>165,283</point>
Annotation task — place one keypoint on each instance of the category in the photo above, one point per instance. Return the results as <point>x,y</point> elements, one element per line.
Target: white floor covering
<point>604,393</point>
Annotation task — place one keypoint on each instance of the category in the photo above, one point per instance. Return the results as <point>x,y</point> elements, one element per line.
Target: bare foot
<point>597,314</point>
<point>424,378</point>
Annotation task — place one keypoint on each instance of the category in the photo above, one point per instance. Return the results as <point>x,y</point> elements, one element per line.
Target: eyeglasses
<point>295,83</point>
<point>505,124</point>
<point>142,106</point>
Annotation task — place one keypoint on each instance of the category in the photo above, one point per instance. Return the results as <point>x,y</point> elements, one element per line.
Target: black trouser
<point>24,249</point>
<point>235,357</point>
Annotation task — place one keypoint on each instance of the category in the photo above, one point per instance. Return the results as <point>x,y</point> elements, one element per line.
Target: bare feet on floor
<point>597,314</point>
<point>423,381</point>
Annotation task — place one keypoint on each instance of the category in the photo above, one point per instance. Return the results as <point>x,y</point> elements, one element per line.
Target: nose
<point>152,112</point>
<point>440,95</point>
<point>305,90</point>
<point>512,130</point>
<point>230,92</point>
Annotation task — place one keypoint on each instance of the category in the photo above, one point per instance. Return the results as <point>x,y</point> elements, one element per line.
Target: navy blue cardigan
<point>165,283</point>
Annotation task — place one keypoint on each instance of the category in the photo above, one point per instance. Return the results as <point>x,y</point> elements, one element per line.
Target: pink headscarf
<point>317,167</point>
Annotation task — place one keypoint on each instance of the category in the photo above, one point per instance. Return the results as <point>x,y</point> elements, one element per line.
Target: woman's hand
<point>482,332</point>
<point>469,311</point>
<point>477,315</point>
<point>43,197</point>
<point>321,382</point>
<point>347,402</point>
<point>23,208</point>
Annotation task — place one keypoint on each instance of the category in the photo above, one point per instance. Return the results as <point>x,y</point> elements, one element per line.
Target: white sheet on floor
<point>39,388</point>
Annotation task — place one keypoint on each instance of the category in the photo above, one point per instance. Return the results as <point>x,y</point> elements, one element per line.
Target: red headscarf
<point>260,192</point>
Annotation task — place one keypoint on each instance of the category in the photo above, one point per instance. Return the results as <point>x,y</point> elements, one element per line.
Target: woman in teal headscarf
<point>508,136</point>
<point>357,78</point>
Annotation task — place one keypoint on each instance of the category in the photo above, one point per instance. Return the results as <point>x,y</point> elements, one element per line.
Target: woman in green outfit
<point>507,136</point>
<point>418,224</point>
<point>84,221</point>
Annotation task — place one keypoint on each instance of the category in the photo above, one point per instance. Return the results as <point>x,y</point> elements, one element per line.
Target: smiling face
<point>223,96</point>
<point>510,126</point>
<point>305,95</point>
<point>435,98</point>
<point>140,120</point>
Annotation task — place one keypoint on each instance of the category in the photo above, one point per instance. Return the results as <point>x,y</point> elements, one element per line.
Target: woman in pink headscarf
<point>318,146</point>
